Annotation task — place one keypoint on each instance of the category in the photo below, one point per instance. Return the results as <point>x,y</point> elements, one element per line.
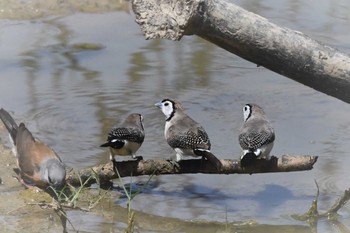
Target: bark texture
<point>105,172</point>
<point>250,36</point>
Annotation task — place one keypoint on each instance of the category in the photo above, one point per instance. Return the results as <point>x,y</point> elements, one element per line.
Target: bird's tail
<point>210,157</point>
<point>248,159</point>
<point>106,144</point>
<point>9,123</point>
<point>116,144</point>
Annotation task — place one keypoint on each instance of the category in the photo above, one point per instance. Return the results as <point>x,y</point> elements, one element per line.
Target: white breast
<point>167,125</point>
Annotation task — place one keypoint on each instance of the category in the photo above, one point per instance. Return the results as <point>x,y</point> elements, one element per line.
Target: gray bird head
<point>250,110</point>
<point>169,107</point>
<point>134,119</point>
<point>53,173</point>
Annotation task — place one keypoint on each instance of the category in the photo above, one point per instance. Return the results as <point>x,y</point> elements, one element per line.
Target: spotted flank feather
<point>256,138</point>
<point>189,139</point>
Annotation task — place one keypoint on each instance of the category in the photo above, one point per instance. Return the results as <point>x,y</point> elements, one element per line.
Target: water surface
<point>71,97</point>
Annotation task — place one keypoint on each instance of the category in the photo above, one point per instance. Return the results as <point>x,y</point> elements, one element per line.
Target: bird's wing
<point>31,154</point>
<point>256,136</point>
<point>117,136</point>
<point>192,138</point>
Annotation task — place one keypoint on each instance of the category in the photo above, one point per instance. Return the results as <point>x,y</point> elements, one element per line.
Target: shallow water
<point>70,97</point>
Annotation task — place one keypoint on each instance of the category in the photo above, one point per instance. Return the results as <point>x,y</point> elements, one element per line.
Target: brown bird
<point>39,165</point>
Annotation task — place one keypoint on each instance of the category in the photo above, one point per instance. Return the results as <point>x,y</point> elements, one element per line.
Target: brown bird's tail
<point>210,157</point>
<point>9,123</point>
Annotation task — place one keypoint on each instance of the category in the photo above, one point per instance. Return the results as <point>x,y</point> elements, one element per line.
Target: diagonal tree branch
<point>250,36</point>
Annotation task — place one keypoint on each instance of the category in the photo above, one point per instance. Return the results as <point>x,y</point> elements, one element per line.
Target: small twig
<point>63,217</point>
<point>93,204</point>
<point>15,209</point>
<point>312,215</point>
<point>332,212</point>
<point>340,226</point>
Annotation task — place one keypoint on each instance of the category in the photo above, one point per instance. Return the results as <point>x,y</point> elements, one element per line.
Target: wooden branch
<point>251,37</point>
<point>105,172</point>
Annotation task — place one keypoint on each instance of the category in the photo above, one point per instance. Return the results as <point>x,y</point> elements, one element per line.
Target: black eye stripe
<point>247,111</point>
<point>167,102</point>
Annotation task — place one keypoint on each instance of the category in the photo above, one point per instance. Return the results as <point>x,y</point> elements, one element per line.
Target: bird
<point>256,136</point>
<point>38,164</point>
<point>127,138</point>
<point>184,135</point>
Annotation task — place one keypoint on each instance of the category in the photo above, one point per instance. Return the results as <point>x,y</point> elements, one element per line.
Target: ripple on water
<point>70,131</point>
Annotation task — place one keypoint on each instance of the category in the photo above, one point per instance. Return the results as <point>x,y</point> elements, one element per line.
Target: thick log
<point>105,172</point>
<point>250,36</point>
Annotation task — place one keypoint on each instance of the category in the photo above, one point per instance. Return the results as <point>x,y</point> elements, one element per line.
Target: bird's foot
<point>32,188</point>
<point>174,163</point>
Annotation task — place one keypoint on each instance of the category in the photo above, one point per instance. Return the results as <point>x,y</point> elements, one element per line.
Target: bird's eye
<point>245,108</point>
<point>166,104</point>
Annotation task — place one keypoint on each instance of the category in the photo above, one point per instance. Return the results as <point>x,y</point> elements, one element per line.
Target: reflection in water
<point>71,98</point>
<point>69,83</point>
<point>40,8</point>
